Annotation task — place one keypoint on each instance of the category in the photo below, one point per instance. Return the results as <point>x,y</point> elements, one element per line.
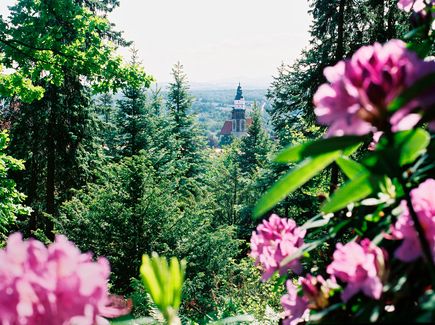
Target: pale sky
<point>219,41</point>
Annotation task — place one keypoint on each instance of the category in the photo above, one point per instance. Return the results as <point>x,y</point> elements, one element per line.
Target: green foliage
<point>67,47</point>
<point>131,116</point>
<point>239,292</point>
<point>255,145</point>
<point>293,180</point>
<point>133,210</point>
<point>15,84</point>
<point>188,137</point>
<point>10,199</point>
<point>31,37</point>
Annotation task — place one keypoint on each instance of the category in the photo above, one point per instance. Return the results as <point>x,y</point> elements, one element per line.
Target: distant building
<point>238,125</point>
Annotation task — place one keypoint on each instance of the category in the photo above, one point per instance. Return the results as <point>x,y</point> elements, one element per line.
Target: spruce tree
<point>255,146</point>
<point>189,139</point>
<point>131,116</point>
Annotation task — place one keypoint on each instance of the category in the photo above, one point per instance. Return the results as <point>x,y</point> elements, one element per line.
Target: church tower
<point>239,123</point>
<point>238,114</point>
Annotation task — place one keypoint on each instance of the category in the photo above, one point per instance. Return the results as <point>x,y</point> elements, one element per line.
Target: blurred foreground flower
<point>423,201</point>
<point>51,285</point>
<point>295,306</point>
<point>356,99</point>
<point>276,239</point>
<point>317,290</point>
<point>416,5</point>
<point>361,266</point>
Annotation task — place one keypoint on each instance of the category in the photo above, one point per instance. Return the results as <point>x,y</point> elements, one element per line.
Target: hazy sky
<point>219,41</point>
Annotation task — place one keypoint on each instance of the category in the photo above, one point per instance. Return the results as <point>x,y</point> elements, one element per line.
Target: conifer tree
<point>131,116</point>
<point>189,140</point>
<point>255,146</point>
<point>105,108</point>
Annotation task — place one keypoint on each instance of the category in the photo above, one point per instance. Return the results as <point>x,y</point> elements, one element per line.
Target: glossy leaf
<point>317,147</point>
<point>356,189</point>
<point>413,144</point>
<point>350,167</point>
<point>293,180</point>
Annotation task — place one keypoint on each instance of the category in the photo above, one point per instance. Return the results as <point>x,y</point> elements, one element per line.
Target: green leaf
<point>423,84</point>
<point>416,31</point>
<point>317,147</point>
<point>334,231</point>
<point>293,180</point>
<point>356,189</point>
<point>350,167</point>
<point>422,48</point>
<point>413,144</point>
<point>150,279</point>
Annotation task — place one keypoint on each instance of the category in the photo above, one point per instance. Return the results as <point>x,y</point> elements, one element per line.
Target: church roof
<point>239,94</point>
<point>227,128</point>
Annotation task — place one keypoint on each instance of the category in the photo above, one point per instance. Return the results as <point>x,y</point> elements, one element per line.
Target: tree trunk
<point>33,221</point>
<point>51,166</point>
<point>391,20</point>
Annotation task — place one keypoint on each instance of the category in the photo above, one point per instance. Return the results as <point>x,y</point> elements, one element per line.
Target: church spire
<point>239,94</point>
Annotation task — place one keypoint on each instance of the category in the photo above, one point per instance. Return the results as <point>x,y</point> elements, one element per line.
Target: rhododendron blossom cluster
<point>359,90</point>
<point>423,202</point>
<point>274,240</point>
<point>361,266</point>
<point>315,295</point>
<point>50,285</point>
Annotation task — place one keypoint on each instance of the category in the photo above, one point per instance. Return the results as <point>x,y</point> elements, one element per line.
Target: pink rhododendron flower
<point>361,266</point>
<point>355,99</point>
<point>423,201</point>
<point>295,307</point>
<point>276,239</point>
<point>416,5</point>
<point>316,290</point>
<point>50,285</point>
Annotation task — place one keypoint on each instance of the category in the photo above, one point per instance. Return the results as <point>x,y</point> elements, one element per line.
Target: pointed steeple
<point>239,94</point>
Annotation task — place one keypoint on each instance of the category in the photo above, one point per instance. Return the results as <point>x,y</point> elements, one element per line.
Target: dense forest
<point>92,149</point>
